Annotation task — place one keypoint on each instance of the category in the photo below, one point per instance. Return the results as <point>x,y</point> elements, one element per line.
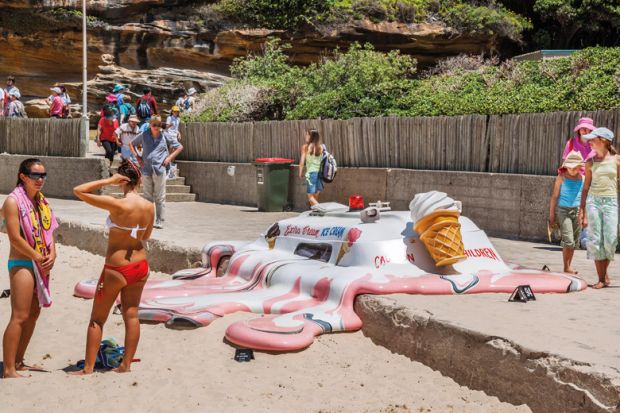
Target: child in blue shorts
<point>564,206</point>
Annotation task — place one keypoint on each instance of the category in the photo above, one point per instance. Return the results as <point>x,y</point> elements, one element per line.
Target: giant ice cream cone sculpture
<point>352,236</point>
<point>436,220</point>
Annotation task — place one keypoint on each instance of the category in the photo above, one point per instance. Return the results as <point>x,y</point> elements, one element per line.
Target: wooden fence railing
<point>522,144</point>
<point>41,137</point>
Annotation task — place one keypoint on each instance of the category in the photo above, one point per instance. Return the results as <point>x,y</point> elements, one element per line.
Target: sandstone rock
<point>166,83</point>
<point>108,8</point>
<point>184,42</point>
<point>38,108</point>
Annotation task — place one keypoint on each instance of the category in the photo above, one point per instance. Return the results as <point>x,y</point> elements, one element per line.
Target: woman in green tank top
<point>599,203</point>
<point>311,157</point>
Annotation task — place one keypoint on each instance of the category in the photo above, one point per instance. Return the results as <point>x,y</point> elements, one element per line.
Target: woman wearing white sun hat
<point>599,202</point>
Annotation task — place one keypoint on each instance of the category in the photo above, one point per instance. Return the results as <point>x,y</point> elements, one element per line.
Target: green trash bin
<point>272,177</point>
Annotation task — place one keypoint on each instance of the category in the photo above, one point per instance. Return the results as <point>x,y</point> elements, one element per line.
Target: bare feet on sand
<point>15,375</point>
<point>121,369</point>
<point>80,373</point>
<point>25,367</point>
<point>599,285</point>
<point>570,271</point>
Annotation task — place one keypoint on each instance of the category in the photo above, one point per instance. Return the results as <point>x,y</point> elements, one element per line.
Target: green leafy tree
<point>563,20</point>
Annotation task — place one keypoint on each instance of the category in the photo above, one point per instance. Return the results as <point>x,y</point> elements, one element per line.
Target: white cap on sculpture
<point>425,203</point>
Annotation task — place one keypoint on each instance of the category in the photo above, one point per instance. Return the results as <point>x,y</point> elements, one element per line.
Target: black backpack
<point>144,109</point>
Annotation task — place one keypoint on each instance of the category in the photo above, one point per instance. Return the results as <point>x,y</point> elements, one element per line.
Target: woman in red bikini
<point>126,269</point>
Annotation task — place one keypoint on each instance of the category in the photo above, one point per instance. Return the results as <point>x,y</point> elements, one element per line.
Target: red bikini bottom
<point>134,272</point>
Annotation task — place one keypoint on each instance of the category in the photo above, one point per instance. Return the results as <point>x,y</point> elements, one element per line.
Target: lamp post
<point>85,121</point>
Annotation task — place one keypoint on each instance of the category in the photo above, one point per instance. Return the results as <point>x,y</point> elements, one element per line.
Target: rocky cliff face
<point>167,84</point>
<point>42,43</point>
<point>107,8</point>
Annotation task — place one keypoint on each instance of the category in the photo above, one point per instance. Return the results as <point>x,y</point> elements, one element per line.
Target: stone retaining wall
<point>544,381</point>
<point>506,205</point>
<point>63,173</point>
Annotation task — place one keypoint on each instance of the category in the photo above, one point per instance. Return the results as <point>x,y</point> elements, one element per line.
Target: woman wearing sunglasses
<point>30,224</point>
<point>126,269</point>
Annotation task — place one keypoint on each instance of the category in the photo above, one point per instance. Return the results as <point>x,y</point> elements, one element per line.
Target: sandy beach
<point>194,370</point>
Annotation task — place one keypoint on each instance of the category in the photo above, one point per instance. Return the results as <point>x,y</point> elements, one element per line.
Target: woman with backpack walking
<point>311,158</point>
<point>146,107</point>
<point>126,109</point>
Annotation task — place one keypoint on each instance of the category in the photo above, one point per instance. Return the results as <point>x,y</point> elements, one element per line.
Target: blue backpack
<point>329,167</point>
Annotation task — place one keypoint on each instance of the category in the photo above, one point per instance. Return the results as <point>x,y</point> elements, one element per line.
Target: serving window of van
<point>319,252</point>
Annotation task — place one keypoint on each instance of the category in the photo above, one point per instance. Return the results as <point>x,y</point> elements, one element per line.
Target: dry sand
<point>193,370</point>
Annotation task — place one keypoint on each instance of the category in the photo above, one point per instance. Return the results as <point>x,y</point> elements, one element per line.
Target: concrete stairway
<point>176,190</point>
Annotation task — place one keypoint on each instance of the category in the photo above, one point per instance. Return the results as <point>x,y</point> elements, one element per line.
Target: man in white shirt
<point>125,134</point>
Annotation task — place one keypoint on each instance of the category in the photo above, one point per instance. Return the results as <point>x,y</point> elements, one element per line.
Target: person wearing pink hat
<point>110,108</point>
<point>577,143</point>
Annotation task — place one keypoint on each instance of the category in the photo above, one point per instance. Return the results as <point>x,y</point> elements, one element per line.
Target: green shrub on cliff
<point>486,17</point>
<point>472,17</point>
<point>274,14</point>
<point>362,82</point>
<point>585,81</point>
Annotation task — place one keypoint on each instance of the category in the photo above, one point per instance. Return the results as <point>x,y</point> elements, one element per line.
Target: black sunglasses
<point>35,176</point>
<point>156,125</point>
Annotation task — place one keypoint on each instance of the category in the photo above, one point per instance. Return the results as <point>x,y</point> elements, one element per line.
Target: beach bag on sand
<point>329,167</point>
<point>109,356</point>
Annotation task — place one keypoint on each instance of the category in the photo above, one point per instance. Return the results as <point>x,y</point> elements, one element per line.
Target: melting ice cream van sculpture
<point>305,273</point>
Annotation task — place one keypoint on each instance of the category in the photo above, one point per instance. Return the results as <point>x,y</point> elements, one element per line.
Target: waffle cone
<point>435,217</point>
<point>444,242</point>
<point>343,250</point>
<point>271,241</point>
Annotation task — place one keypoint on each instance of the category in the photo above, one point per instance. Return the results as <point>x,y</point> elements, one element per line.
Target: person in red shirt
<point>57,106</point>
<point>106,136</point>
<point>146,107</point>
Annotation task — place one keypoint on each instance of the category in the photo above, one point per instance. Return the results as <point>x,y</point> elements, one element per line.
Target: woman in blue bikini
<point>30,224</point>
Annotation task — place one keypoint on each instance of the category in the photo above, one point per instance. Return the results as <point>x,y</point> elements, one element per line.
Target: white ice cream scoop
<point>427,202</point>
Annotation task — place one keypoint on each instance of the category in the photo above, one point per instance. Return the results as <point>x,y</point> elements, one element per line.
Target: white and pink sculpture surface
<point>305,273</point>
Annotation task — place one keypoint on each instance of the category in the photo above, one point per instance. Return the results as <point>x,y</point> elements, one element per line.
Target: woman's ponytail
<point>611,148</point>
